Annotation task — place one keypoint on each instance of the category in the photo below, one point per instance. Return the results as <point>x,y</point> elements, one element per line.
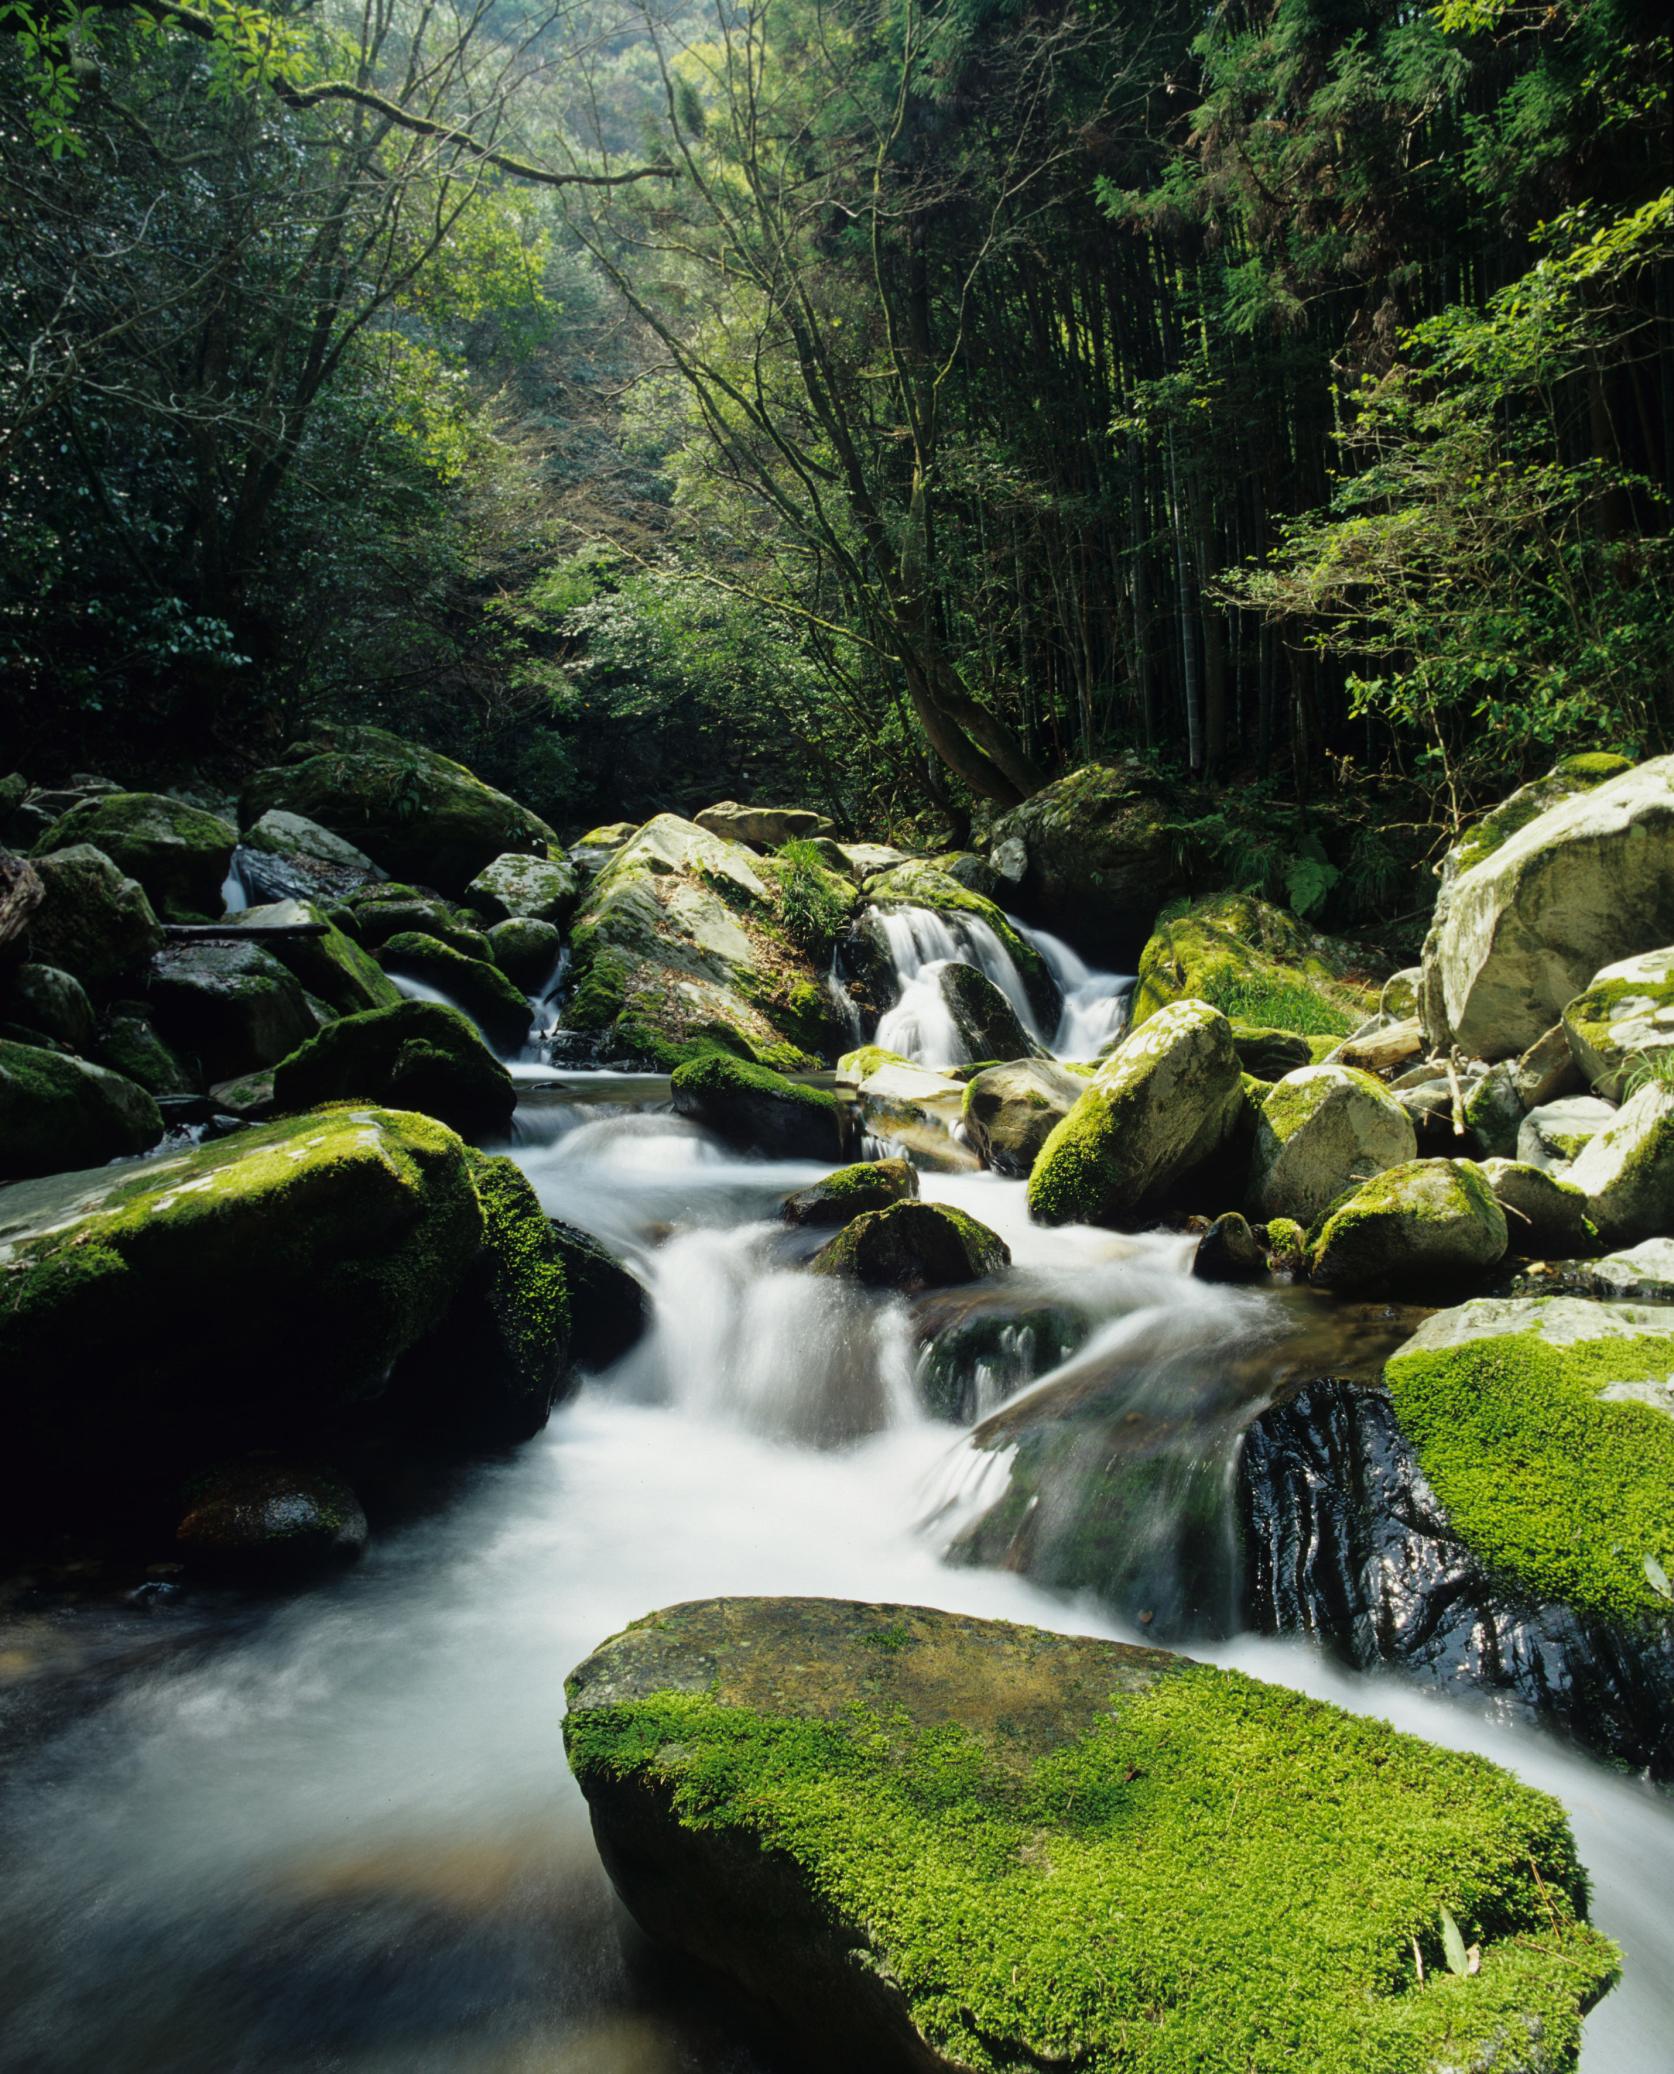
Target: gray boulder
<point>1543,1214</point>
<point>519,888</point>
<point>765,827</point>
<point>1322,1130</point>
<point>284,856</point>
<point>1627,1170</point>
<point>1555,1135</point>
<point>1009,1111</point>
<point>231,1007</point>
<point>1624,1022</point>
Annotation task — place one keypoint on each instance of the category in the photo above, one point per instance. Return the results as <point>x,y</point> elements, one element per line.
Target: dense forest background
<point>885,406</point>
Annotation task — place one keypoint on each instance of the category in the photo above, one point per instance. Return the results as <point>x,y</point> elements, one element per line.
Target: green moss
<point>417,1055</point>
<point>58,1112</point>
<point>1256,964</point>
<point>864,1062</point>
<point>1562,1492</point>
<point>1574,774</point>
<point>717,1074</point>
<point>528,1292</point>
<point>1221,1874</point>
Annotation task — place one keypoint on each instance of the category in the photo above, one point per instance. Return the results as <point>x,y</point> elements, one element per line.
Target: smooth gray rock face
<point>1010,1110</point>
<point>1557,1133</point>
<point>1623,1025</point>
<point>765,827</point>
<point>285,856</point>
<point>1322,1130</point>
<point>1521,932</point>
<point>1627,1171</point>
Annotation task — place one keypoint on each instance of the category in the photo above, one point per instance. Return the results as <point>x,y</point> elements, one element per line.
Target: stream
<point>337,1833</point>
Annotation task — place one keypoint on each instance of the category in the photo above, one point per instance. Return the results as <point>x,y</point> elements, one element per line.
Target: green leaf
<point>1453,1944</point>
<point>1658,1577</point>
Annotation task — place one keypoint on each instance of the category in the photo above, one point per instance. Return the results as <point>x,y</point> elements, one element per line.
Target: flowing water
<point>338,1833</point>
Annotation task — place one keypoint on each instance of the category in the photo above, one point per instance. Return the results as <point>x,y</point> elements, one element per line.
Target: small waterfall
<point>1095,1009</point>
<point>921,943</point>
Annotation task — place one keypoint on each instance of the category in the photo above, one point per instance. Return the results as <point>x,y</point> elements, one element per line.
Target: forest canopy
<point>886,405</point>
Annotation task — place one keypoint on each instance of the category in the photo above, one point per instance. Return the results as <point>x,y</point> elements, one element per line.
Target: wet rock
<point>1639,1274</point>
<point>1627,1170</point>
<point>1623,1022</point>
<point>484,992</point>
<point>230,1007</point>
<point>1321,1131</point>
<point>287,857</point>
<point>93,920</point>
<point>865,1060</point>
<point>609,1310</point>
<point>1256,962</point>
<point>1531,914</point>
<point>910,1106</point>
<point>417,814</point>
<point>1430,1223</point>
<point>331,966</point>
<point>526,951</point>
<point>1543,1214</point>
<point>850,1191</point>
<point>985,1020</point>
<point>43,998</point>
<point>813,1797</point>
<point>764,827</point>
<point>57,1111</point>
<point>1555,1135</point>
<point>418,1055</point>
<point>1229,1252</point>
<point>920,884</point>
<point>178,853</point>
<point>1009,1111</point>
<point>1166,1101</point>
<point>270,1522</point>
<point>758,1110</point>
<point>520,888</point>
<point>913,1245</point>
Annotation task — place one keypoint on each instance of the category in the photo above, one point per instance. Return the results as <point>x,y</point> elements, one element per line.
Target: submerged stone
<point>934,1842</point>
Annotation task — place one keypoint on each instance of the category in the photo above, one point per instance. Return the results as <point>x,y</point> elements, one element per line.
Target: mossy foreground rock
<point>178,853</point>
<point>1546,1427</point>
<point>911,1246</point>
<point>250,1293</point>
<point>1427,1224</point>
<point>1255,963</point>
<point>758,1110</point>
<point>418,1055</point>
<point>930,1842</point>
<point>1167,1099</point>
<point>416,814</point>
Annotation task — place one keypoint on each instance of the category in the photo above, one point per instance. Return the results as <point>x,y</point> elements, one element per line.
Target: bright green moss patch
<point>1219,1874</point>
<point>864,1062</point>
<point>1563,1491</point>
<point>1256,964</point>
<point>716,1074</point>
<point>528,1294</point>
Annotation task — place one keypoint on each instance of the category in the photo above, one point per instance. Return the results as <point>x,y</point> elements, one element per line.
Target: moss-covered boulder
<point>1270,1054</point>
<point>986,1023</point>
<point>393,909</point>
<point>865,1060</point>
<point>934,1842</point>
<point>270,1521</point>
<point>1522,930</point>
<point>231,1007</point>
<point>682,947</point>
<point>331,966</point>
<point>57,1111</point>
<point>1547,1430</point>
<point>521,888</point>
<point>765,827</point>
<point>1414,1231</point>
<point>910,1246</point>
<point>419,815</point>
<point>1093,857</point>
<point>130,1043</point>
<point>494,1002</point>
<point>918,884</point>
<point>93,920</point>
<point>1165,1102</point>
<point>1621,1027</point>
<point>851,1191</point>
<point>1627,1171</point>
<point>178,853</point>
<point>287,857</point>
<point>1543,1214</point>
<point>1010,1110</point>
<point>757,1110</point>
<point>526,951</point>
<point>55,1003</point>
<point>417,1055</point>
<point>1321,1131</point>
<point>250,1293</point>
<point>609,1308</point>
<point>1255,963</point>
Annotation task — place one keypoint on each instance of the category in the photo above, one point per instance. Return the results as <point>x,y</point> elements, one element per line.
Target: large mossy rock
<point>232,1007</point>
<point>526,951</point>
<point>917,884</point>
<point>57,1111</point>
<point>765,827</point>
<point>1321,1131</point>
<point>931,1842</point>
<point>1162,1105</point>
<point>485,993</point>
<point>1092,856</point>
<point>250,1293</point>
<point>910,1246</point>
<point>417,1055</point>
<point>1521,931</point>
<point>381,912</point>
<point>331,966</point>
<point>850,1192</point>
<point>757,1110</point>
<point>987,1023</point>
<point>1623,1021</point>
<point>1627,1171</point>
<point>418,815</point>
<point>1256,964</point>
<point>680,949</point>
<point>178,853</point>
<point>93,920</point>
<point>520,888</point>
<point>1546,1428</point>
<point>1414,1231</point>
<point>1009,1111</point>
<point>288,857</point>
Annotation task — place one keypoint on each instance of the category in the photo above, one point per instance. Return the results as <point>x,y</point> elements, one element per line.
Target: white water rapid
<point>337,1833</point>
